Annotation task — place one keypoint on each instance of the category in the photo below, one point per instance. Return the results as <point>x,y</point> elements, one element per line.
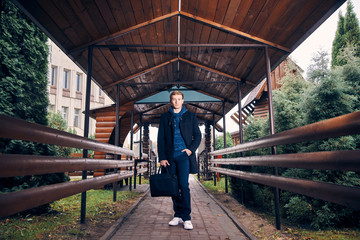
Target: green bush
<point>298,211</point>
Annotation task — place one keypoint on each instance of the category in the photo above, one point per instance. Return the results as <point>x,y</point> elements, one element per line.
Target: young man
<point>178,138</point>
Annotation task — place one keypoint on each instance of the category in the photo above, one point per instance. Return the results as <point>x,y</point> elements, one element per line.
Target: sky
<point>321,38</point>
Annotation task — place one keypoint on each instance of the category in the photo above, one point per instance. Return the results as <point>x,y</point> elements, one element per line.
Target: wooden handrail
<point>13,165</point>
<point>14,202</point>
<point>329,160</point>
<point>335,127</point>
<point>22,130</point>
<point>343,195</point>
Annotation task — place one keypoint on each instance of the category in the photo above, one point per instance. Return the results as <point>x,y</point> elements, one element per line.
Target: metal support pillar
<point>131,143</point>
<point>146,146</point>
<point>117,135</point>
<point>240,138</point>
<point>208,149</point>
<point>215,174</point>
<point>86,128</point>
<point>224,129</point>
<point>140,144</point>
<point>272,131</point>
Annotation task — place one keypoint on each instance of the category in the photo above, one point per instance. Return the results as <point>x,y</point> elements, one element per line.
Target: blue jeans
<point>181,167</point>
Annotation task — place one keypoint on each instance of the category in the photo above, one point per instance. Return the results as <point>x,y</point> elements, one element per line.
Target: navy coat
<point>190,132</point>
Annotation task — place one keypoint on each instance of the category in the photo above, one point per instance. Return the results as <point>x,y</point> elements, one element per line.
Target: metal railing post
<point>131,143</point>
<point>86,128</point>
<point>224,129</point>
<point>215,174</point>
<point>117,135</point>
<point>272,131</point>
<point>241,139</point>
<point>140,145</point>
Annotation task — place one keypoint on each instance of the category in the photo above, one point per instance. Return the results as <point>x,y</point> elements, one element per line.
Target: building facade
<point>67,90</point>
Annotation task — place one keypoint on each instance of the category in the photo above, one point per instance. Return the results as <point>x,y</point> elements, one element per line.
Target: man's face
<point>176,102</point>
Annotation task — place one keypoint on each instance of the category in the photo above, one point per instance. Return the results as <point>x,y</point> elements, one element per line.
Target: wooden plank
<point>86,19</point>
<point>140,35</point>
<point>104,130</point>
<point>102,135</point>
<point>105,124</point>
<point>152,32</point>
<point>221,10</point>
<point>106,13</point>
<point>231,12</point>
<point>118,14</point>
<point>110,59</point>
<point>266,18</point>
<point>105,119</point>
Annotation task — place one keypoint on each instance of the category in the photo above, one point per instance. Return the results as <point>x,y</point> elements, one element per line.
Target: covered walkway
<point>150,218</point>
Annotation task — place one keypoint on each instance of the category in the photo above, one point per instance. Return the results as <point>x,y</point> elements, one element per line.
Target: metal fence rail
<point>14,202</point>
<point>343,195</point>
<point>22,130</point>
<point>22,165</point>
<point>329,160</point>
<point>335,127</point>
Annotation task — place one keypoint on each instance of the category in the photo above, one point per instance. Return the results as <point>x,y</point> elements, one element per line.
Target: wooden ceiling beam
<point>215,71</point>
<point>202,108</point>
<point>206,93</point>
<point>140,73</point>
<point>209,69</point>
<point>232,30</point>
<point>124,31</point>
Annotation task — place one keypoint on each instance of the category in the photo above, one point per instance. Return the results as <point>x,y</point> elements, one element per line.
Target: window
<point>51,108</point>
<point>64,112</point>
<point>78,82</point>
<point>100,92</point>
<point>66,79</point>
<point>53,76</point>
<point>76,117</point>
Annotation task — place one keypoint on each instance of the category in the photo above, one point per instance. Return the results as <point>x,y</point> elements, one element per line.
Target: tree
<point>23,89</point>
<point>23,55</point>
<point>348,33</point>
<point>319,69</point>
<point>56,121</point>
<point>287,102</point>
<point>332,96</point>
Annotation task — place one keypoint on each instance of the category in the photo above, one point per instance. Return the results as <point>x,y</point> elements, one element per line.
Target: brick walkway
<point>150,220</point>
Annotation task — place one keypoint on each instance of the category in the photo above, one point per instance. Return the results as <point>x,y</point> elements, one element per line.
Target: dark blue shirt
<point>179,143</point>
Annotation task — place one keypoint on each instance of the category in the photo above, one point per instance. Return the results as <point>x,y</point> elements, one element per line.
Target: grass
<point>341,234</point>
<point>219,188</point>
<point>63,221</point>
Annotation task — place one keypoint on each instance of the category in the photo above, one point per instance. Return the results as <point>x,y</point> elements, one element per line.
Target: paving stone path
<point>150,220</point>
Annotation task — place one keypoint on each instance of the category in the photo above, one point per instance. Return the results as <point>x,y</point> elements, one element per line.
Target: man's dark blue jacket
<point>190,132</point>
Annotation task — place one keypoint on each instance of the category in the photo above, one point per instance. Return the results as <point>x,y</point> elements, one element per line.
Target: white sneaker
<point>175,221</point>
<point>188,225</point>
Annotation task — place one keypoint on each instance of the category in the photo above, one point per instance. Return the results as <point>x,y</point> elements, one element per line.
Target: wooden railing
<point>22,165</point>
<point>349,160</point>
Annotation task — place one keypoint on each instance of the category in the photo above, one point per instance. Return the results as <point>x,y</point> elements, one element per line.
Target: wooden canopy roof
<point>152,45</point>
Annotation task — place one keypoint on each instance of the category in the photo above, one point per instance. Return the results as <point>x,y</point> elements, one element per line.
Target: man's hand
<point>164,163</point>
<point>188,151</point>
